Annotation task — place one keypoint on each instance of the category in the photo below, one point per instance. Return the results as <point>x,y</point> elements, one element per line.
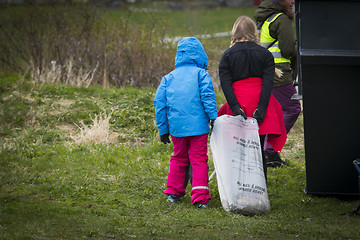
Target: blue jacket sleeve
<point>207,94</point>
<point>161,108</point>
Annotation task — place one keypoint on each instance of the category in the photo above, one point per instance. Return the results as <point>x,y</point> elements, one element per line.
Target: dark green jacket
<point>282,30</point>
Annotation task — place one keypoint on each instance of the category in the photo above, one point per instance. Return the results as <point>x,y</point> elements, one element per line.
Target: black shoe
<point>200,205</point>
<point>174,198</point>
<point>274,160</point>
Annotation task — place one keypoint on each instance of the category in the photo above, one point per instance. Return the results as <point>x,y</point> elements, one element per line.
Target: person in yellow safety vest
<point>267,41</point>
<point>277,35</point>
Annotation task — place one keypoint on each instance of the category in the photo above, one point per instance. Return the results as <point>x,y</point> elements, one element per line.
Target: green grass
<point>188,22</point>
<point>52,188</point>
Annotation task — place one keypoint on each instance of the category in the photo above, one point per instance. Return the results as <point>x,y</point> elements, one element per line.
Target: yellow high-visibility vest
<point>266,40</point>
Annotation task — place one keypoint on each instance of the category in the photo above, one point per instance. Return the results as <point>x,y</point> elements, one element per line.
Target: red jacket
<point>247,92</point>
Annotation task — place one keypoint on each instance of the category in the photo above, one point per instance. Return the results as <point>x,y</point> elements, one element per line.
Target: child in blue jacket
<point>184,105</point>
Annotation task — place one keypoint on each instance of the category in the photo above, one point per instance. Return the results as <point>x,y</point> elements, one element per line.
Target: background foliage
<point>79,45</point>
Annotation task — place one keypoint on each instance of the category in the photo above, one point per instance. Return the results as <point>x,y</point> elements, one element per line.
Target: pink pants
<point>193,148</point>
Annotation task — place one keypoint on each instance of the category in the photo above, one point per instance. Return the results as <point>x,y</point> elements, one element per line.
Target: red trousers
<point>193,149</point>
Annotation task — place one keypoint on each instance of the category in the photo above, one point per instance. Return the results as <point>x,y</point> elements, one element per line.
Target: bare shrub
<point>133,55</point>
<point>85,47</point>
<point>212,46</point>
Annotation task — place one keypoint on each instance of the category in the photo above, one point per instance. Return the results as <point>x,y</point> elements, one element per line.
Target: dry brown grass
<point>67,74</point>
<point>98,132</point>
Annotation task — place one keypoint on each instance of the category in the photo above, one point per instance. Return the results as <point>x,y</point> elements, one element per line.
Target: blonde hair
<point>244,29</point>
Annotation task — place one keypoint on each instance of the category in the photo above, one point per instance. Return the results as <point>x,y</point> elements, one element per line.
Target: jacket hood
<point>190,51</point>
<point>266,9</point>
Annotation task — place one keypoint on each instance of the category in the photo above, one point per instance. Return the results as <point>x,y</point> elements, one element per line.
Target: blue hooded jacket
<point>185,99</point>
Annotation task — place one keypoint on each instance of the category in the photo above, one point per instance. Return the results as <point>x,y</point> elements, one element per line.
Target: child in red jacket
<point>246,73</point>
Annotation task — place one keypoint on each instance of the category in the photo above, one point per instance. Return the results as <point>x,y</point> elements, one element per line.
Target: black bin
<point>328,34</point>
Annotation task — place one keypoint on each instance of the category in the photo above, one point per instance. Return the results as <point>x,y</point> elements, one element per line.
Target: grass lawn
<point>188,22</point>
<point>111,188</point>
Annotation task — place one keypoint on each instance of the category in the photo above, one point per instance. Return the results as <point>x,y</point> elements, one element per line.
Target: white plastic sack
<point>236,149</point>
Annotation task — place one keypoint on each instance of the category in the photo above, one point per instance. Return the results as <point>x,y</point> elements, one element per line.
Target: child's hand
<point>165,138</point>
<point>258,115</point>
<point>239,111</point>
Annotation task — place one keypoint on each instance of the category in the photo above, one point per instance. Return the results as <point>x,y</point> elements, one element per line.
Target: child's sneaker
<point>200,205</point>
<point>173,198</point>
